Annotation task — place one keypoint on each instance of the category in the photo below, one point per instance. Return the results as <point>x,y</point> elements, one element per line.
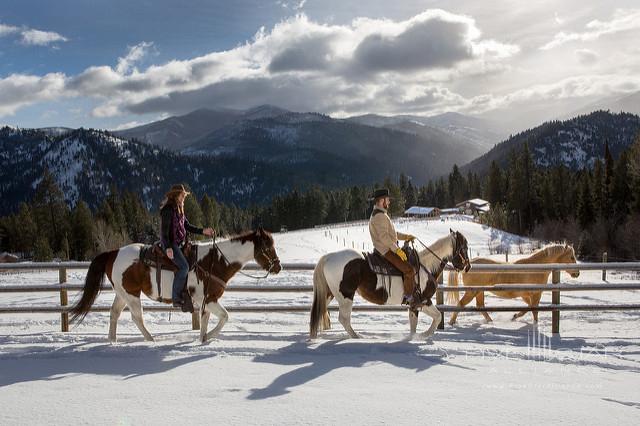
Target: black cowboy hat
<point>379,193</point>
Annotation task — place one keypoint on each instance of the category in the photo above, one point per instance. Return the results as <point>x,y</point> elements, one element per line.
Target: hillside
<point>574,143</point>
<point>86,163</point>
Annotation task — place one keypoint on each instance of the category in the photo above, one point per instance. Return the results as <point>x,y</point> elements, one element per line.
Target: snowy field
<point>264,370</point>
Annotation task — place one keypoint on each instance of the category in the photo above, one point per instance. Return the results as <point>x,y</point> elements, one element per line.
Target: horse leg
<point>136,315</point>
<point>326,319</point>
<point>344,316</point>
<point>468,297</point>
<point>413,321</point>
<point>527,300</point>
<point>480,304</point>
<point>221,313</point>
<point>204,322</point>
<point>116,309</point>
<point>434,313</point>
<point>535,301</point>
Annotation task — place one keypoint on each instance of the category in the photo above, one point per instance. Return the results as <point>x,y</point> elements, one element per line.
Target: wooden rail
<point>555,287</point>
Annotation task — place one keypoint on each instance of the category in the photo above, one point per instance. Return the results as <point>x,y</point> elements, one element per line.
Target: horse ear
<point>451,231</point>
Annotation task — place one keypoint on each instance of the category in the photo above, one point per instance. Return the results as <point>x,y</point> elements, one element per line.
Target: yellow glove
<point>401,254</point>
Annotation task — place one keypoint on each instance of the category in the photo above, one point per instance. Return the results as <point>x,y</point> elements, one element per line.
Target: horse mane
<point>438,246</point>
<point>251,236</point>
<point>547,251</point>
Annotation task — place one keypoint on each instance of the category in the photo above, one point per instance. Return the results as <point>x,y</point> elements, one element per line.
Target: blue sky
<point>116,63</point>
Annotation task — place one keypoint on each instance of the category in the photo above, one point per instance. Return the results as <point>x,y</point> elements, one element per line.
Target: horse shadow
<point>316,361</point>
<point>92,356</point>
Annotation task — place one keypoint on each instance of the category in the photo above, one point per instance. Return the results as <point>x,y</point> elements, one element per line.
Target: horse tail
<point>92,285</point>
<point>454,296</point>
<point>320,296</point>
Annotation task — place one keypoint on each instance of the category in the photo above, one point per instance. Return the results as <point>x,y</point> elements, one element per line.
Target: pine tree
<point>396,209</point>
<point>210,212</point>
<point>50,211</point>
<point>42,250</point>
<point>634,174</point>
<point>494,191</point>
<point>26,230</point>
<point>597,189</point>
<point>620,190</point>
<point>82,231</point>
<point>585,211</point>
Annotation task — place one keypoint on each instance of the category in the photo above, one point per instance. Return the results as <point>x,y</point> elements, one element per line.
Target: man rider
<point>385,241</point>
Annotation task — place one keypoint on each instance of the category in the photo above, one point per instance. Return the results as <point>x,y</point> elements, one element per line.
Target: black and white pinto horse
<point>340,274</point>
<point>216,264</point>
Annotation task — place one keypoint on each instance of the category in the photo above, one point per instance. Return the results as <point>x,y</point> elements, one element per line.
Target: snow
<point>264,370</point>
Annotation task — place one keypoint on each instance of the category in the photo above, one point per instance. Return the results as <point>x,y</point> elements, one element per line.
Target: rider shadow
<point>335,354</point>
<point>32,363</point>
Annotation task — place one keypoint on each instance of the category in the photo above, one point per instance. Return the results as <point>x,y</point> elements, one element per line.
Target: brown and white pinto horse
<point>215,266</point>
<point>342,273</point>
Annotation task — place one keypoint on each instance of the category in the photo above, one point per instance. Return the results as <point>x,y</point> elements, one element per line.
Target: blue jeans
<point>181,274</point>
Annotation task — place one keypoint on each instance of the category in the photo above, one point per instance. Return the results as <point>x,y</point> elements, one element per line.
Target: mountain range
<point>247,157</point>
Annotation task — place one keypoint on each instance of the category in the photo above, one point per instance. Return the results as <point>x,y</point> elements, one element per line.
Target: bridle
<point>271,261</point>
<point>444,262</point>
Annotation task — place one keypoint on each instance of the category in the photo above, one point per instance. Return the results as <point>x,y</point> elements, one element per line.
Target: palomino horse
<point>341,274</point>
<point>556,253</point>
<point>215,266</point>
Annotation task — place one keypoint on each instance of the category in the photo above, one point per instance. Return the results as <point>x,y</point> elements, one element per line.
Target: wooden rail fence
<point>556,287</point>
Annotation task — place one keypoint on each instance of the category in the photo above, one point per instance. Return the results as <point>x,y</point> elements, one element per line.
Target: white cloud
<point>420,65</point>
<point>135,54</point>
<point>40,38</point>
<point>21,90</point>
<point>622,20</point>
<point>8,29</point>
<point>586,56</point>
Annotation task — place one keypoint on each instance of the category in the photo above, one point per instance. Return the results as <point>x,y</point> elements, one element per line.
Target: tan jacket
<point>383,234</point>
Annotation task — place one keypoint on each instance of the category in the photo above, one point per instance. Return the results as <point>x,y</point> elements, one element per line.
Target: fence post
<point>604,271</point>
<point>440,299</point>
<point>555,299</point>
<point>64,300</point>
<point>195,320</point>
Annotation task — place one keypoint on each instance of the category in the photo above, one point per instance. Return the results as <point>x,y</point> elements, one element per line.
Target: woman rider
<point>173,228</point>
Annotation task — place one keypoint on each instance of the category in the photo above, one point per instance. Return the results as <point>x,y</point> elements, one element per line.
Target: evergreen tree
<point>457,186</point>
<point>210,212</point>
<point>410,196</point>
<point>42,250</point>
<point>50,211</point>
<point>396,209</point>
<point>358,204</point>
<point>608,179</point>
<point>82,232</point>
<point>599,207</point>
<point>494,187</point>
<point>585,211</point>
<point>634,174</point>
<point>25,228</point>
<point>620,189</point>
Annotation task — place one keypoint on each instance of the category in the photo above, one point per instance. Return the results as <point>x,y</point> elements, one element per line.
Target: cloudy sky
<point>118,63</point>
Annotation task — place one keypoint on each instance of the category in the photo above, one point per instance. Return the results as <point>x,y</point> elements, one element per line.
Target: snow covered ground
<point>264,370</point>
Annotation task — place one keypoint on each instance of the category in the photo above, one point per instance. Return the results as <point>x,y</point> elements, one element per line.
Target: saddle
<point>153,256</point>
<point>382,266</point>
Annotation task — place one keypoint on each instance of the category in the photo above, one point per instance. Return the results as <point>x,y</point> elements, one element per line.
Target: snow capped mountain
<point>86,163</point>
<point>470,130</point>
<point>320,141</point>
<point>574,143</point>
<point>177,133</point>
